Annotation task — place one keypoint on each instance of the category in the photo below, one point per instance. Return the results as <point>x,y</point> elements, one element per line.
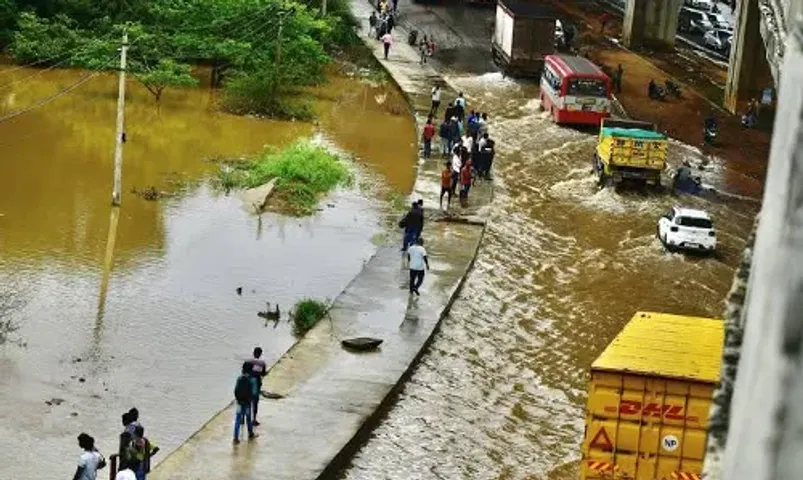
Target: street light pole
<point>120,139</point>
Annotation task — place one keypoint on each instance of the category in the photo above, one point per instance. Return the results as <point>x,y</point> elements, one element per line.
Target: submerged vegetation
<point>303,171</point>
<point>262,53</point>
<point>307,313</point>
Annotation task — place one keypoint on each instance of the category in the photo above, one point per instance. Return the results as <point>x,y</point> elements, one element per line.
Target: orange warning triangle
<point>601,441</point>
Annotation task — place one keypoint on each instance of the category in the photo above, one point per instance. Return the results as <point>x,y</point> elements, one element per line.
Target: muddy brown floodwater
<point>501,393</point>
<point>172,331</point>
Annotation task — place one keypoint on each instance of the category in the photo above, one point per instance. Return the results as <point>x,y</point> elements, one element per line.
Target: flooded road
<point>169,336</point>
<point>501,394</point>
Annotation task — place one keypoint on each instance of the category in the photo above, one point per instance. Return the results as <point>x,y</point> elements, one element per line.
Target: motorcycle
<point>710,132</point>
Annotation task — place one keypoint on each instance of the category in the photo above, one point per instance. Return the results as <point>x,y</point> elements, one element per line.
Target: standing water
<point>501,393</point>
<point>170,333</point>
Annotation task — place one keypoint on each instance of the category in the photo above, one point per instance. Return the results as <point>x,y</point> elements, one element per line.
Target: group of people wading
<point>464,141</point>
<point>470,151</point>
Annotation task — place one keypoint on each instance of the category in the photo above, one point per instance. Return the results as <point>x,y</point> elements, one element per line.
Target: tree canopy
<point>273,47</point>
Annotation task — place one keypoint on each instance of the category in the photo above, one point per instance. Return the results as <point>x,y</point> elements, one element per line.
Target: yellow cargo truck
<point>648,399</point>
<point>631,151</point>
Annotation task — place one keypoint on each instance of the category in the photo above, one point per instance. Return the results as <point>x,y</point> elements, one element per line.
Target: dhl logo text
<point>670,412</point>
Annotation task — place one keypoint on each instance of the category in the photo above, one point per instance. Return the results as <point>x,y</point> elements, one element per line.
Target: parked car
<point>719,21</point>
<point>706,5</point>
<point>718,40</point>
<point>693,21</point>
<point>687,229</point>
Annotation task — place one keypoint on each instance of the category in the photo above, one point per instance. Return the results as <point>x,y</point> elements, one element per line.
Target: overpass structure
<point>759,41</point>
<point>757,418</point>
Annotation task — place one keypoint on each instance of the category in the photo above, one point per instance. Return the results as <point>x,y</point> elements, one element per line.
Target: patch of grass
<point>304,172</point>
<point>397,201</point>
<point>307,313</point>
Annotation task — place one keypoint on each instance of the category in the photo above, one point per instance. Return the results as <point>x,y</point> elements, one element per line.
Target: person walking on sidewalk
<point>426,137</point>
<point>244,395</point>
<point>417,260</point>
<point>460,107</point>
<point>436,100</point>
<point>445,132</point>
<point>446,185</point>
<point>423,47</point>
<point>258,370</point>
<point>387,42</point>
<point>373,22</point>
<point>142,450</point>
<point>465,183</point>
<point>90,460</point>
<point>413,225</point>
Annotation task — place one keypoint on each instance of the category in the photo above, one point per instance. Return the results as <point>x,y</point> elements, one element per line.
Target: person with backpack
<point>141,451</point>
<point>258,370</point>
<point>90,460</point>
<point>244,396</point>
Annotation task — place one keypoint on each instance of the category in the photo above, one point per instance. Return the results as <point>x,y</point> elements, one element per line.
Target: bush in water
<point>307,313</point>
<point>304,171</point>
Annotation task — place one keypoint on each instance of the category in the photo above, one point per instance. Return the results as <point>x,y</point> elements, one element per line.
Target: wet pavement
<point>330,395</point>
<point>170,333</point>
<point>501,392</point>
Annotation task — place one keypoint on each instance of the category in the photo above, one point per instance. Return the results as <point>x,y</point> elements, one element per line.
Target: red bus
<point>574,90</point>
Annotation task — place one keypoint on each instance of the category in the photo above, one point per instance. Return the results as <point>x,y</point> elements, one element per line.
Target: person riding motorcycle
<point>710,129</point>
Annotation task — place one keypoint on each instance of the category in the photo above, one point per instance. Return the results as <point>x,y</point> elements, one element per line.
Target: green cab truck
<point>629,151</point>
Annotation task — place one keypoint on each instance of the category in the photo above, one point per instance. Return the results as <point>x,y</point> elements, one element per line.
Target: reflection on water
<point>158,324</point>
<point>501,393</point>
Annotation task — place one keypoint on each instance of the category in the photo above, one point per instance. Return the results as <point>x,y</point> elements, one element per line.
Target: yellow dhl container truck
<point>648,399</point>
<point>628,150</point>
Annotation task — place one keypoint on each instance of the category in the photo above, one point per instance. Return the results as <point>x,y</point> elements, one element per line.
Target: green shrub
<point>304,171</point>
<point>307,313</point>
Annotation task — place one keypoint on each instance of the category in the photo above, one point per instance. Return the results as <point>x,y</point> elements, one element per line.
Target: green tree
<point>8,21</point>
<point>166,73</point>
<point>44,38</point>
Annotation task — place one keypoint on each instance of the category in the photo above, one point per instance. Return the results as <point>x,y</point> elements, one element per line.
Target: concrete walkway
<point>332,397</point>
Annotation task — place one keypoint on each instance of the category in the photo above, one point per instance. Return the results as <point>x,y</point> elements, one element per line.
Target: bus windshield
<point>586,87</point>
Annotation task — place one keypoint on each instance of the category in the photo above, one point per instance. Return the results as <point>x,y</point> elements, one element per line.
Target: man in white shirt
<point>460,106</point>
<point>457,163</point>
<point>90,461</point>
<point>126,471</point>
<point>436,100</point>
<point>483,125</point>
<point>417,257</point>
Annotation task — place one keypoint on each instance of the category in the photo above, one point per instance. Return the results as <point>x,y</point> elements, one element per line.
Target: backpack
<point>242,390</point>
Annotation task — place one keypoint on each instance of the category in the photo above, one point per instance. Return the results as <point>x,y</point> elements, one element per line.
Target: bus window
<point>587,87</point>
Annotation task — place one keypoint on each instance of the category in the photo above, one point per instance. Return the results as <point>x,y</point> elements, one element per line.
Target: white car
<point>687,229</point>
<point>718,39</point>
<point>706,5</point>
<point>719,21</point>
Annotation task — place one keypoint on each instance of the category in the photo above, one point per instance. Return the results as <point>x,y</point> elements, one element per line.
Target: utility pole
<point>120,139</point>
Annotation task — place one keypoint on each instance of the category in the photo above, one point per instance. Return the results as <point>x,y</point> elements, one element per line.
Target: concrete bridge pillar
<point>749,71</point>
<point>765,422</point>
<point>651,23</point>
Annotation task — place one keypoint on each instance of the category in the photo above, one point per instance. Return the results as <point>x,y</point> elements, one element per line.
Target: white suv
<point>687,229</point>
